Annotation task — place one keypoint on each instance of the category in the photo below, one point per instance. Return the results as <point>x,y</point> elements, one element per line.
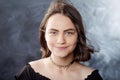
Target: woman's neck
<point>62,62</point>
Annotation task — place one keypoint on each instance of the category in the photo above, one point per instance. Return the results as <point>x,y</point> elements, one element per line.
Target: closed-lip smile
<point>61,47</point>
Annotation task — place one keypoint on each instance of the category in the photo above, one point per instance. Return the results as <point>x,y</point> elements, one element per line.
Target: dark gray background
<point>19,44</point>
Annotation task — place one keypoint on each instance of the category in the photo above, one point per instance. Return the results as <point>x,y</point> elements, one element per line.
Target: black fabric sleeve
<point>27,73</point>
<point>94,76</point>
<point>24,74</point>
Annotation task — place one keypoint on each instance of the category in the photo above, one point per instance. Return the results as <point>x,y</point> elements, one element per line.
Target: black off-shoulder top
<point>27,73</point>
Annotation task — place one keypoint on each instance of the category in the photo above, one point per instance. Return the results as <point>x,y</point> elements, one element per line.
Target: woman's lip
<point>61,47</point>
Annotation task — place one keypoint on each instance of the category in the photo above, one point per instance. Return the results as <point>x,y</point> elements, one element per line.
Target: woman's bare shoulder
<point>85,70</point>
<point>37,65</point>
<point>36,62</point>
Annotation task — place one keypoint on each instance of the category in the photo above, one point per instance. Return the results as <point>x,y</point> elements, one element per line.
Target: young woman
<point>63,45</point>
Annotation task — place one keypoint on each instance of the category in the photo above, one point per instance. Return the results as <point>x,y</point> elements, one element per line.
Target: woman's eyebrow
<point>70,29</point>
<point>52,29</point>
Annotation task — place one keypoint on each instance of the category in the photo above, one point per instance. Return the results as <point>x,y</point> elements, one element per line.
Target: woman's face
<point>60,35</point>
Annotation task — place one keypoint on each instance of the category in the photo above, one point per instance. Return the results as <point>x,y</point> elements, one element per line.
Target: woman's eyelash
<point>70,32</point>
<point>52,32</point>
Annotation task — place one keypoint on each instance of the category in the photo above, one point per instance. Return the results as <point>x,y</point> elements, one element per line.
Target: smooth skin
<point>61,38</point>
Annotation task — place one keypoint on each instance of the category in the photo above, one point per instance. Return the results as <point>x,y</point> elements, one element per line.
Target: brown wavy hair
<point>82,51</point>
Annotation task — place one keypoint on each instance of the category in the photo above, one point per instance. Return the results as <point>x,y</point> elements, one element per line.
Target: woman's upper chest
<point>63,75</point>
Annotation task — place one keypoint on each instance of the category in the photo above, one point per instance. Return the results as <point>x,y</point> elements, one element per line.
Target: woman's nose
<point>61,39</point>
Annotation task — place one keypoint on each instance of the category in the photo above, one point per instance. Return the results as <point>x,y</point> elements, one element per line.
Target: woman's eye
<point>53,33</point>
<point>69,33</point>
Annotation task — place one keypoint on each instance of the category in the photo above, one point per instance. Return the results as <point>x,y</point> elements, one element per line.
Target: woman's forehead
<point>59,21</point>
